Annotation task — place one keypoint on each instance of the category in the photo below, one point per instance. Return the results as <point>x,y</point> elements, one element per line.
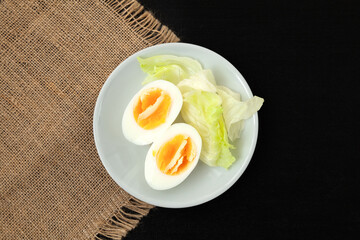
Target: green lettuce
<point>203,80</point>
<point>168,67</point>
<point>203,111</point>
<point>236,111</point>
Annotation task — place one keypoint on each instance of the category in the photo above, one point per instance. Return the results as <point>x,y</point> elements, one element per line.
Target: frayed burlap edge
<point>142,21</point>
<point>144,24</point>
<point>124,219</point>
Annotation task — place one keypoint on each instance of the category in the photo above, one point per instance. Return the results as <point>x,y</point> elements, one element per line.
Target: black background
<point>303,59</point>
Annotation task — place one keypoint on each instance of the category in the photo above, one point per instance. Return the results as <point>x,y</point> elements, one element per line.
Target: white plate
<point>124,161</point>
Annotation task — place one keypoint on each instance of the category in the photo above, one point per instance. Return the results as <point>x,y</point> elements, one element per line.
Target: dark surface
<point>303,180</point>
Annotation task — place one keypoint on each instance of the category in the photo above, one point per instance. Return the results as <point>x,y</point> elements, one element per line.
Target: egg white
<point>161,181</point>
<point>136,134</point>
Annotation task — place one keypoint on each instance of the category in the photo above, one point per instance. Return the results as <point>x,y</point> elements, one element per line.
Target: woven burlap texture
<point>54,58</point>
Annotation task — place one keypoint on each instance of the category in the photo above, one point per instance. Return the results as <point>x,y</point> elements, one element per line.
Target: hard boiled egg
<point>151,111</point>
<point>172,157</point>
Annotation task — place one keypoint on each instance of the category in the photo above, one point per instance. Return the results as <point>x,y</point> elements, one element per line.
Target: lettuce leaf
<point>168,67</point>
<point>203,80</point>
<point>217,113</point>
<point>203,111</point>
<point>235,111</point>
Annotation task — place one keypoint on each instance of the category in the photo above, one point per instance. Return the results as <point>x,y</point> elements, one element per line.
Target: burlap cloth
<point>54,58</point>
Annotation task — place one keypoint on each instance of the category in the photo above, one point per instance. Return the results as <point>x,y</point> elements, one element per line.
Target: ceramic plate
<point>124,161</point>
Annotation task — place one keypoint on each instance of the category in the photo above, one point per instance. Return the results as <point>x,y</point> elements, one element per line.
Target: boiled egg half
<point>151,111</point>
<point>172,157</point>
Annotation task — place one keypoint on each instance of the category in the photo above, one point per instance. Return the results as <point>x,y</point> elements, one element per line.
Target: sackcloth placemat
<point>54,58</point>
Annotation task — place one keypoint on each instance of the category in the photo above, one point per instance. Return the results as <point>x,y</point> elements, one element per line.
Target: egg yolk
<point>152,108</point>
<point>175,156</point>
